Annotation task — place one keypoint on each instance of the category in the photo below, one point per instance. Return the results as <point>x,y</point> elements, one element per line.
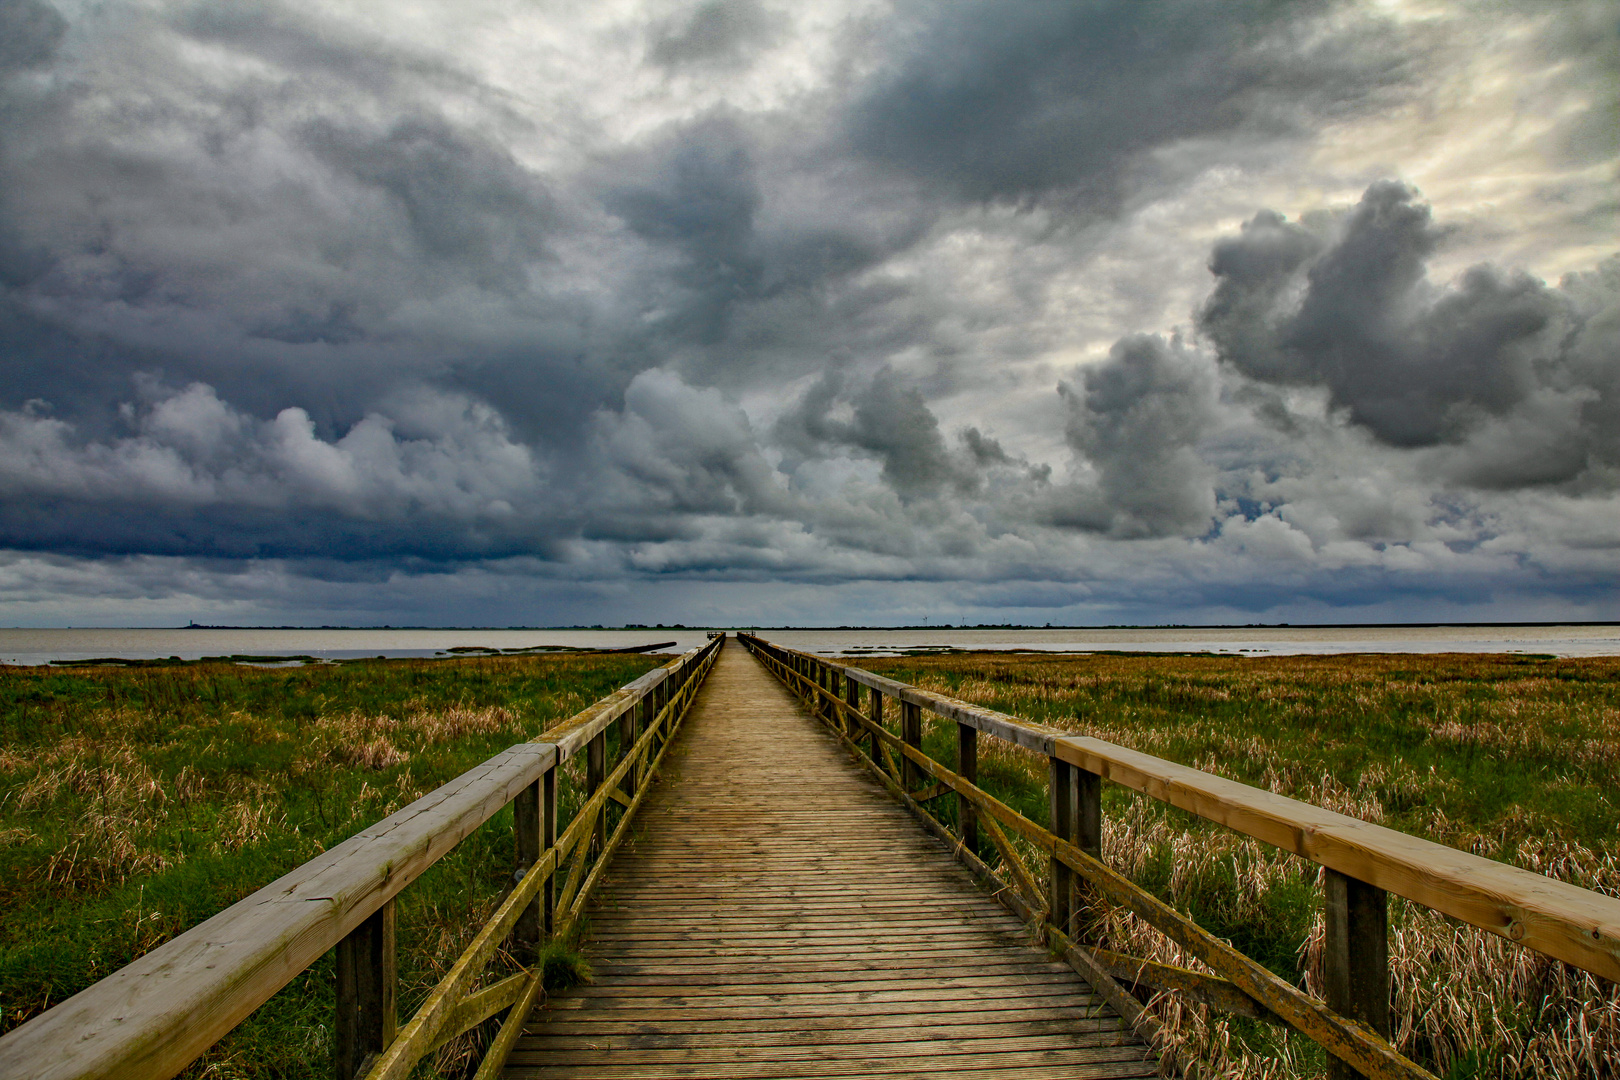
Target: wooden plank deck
<point>780,916</point>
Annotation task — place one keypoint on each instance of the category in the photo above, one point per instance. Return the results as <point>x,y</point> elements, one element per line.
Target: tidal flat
<point>136,802</point>
<point>1514,758</point>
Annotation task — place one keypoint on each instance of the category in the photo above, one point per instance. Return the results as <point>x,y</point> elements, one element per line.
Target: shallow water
<point>43,646</point>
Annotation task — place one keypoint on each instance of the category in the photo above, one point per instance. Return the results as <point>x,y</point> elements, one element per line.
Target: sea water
<point>41,646</point>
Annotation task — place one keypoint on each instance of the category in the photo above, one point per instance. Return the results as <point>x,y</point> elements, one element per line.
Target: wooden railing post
<point>548,840</point>
<point>366,980</point>
<point>1063,824</point>
<point>628,730</point>
<point>595,772</point>
<point>1087,795</point>
<point>911,735</point>
<point>527,849</point>
<point>1355,955</point>
<point>876,716</point>
<point>967,767</point>
<point>649,712</point>
<point>852,698</point>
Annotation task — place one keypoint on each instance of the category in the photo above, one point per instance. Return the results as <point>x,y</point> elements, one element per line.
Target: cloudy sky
<point>525,312</point>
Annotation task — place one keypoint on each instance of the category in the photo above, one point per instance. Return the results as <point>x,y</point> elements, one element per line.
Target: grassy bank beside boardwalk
<point>136,802</point>
<point>1513,758</point>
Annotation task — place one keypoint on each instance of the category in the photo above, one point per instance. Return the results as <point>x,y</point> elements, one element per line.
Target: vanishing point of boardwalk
<point>780,916</point>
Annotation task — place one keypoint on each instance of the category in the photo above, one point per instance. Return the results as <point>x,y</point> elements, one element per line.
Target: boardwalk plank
<point>778,916</point>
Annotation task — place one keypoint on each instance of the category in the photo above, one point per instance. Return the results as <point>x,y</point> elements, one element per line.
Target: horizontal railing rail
<point>153,1017</point>
<point>1363,862</point>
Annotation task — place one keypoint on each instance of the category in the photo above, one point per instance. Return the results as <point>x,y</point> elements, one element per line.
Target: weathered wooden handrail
<point>153,1017</point>
<point>1363,862</point>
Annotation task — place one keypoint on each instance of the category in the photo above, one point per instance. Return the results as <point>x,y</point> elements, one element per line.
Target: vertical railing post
<point>366,980</point>
<point>967,767</point>
<point>1088,827</point>
<point>1060,791</point>
<point>595,773</point>
<point>1355,955</point>
<point>527,849</point>
<point>548,840</point>
<point>649,712</point>
<point>875,714</point>
<point>852,698</point>
<point>628,730</point>
<point>911,735</point>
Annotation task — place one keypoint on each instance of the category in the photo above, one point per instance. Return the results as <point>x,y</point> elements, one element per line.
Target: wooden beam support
<point>548,840</point>
<point>852,698</point>
<point>527,847</point>
<point>875,714</point>
<point>911,735</point>
<point>595,770</point>
<point>1062,823</point>
<point>1355,956</point>
<point>366,987</point>
<point>967,767</point>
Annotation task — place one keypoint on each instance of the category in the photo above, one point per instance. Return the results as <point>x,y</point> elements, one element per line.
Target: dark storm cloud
<point>716,32</point>
<point>1015,101</point>
<point>1348,305</point>
<point>29,34</point>
<point>463,200</point>
<point>279,287</point>
<point>1138,419</point>
<point>886,420</point>
<point>698,192</point>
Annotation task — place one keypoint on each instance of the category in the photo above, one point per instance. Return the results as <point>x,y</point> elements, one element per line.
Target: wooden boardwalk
<point>780,916</point>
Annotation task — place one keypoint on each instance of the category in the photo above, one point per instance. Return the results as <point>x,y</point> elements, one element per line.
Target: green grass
<point>1514,758</point>
<point>137,801</point>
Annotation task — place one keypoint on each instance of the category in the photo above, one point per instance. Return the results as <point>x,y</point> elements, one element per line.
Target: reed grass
<point>1513,758</point>
<point>136,802</point>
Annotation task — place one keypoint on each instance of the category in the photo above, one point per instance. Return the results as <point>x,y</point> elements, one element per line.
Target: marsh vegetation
<point>1513,758</point>
<point>137,801</point>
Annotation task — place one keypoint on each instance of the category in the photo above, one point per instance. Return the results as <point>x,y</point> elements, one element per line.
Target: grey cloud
<point>295,44</point>
<point>1016,101</point>
<point>193,475</point>
<point>1347,305</point>
<point>882,417</point>
<point>719,31</point>
<point>376,336</point>
<point>688,450</point>
<point>1138,419</point>
<point>29,34</point>
<point>464,200</point>
<point>985,450</point>
<point>1580,41</point>
<point>698,191</point>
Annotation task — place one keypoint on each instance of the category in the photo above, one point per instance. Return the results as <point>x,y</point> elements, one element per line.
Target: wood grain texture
<point>779,916</point>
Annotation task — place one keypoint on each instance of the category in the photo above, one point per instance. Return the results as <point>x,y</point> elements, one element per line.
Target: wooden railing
<point>151,1019</point>
<point>1362,864</point>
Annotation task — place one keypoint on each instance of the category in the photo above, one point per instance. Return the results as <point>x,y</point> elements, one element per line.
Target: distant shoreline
<point>910,627</point>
